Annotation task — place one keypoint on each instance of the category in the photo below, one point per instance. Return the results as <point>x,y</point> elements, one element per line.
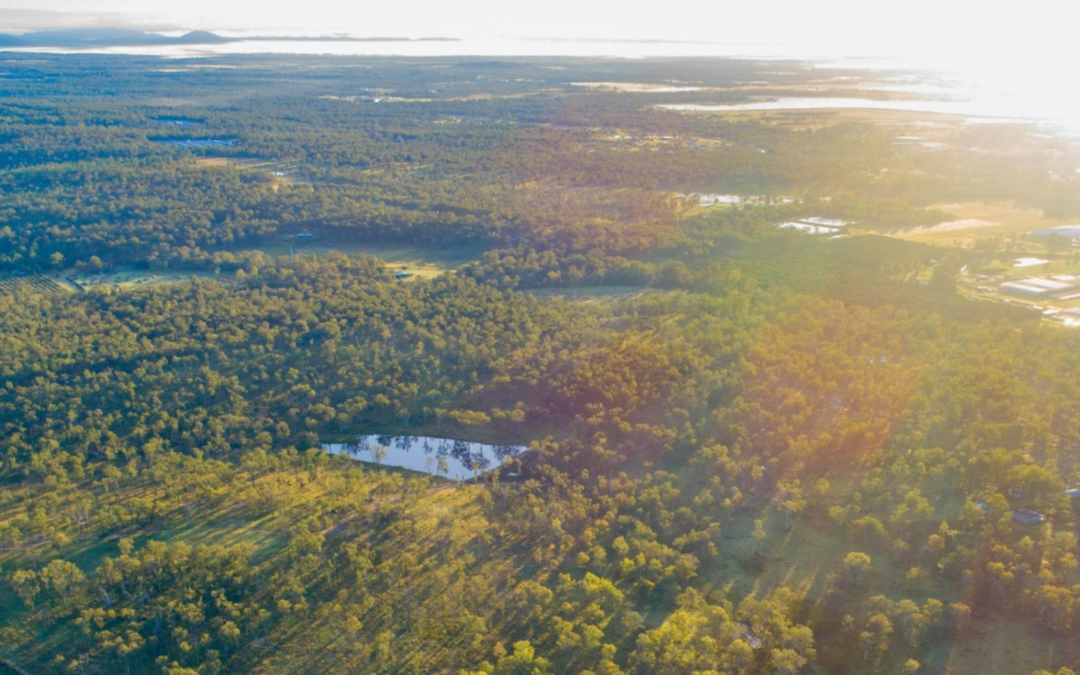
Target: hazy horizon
<point>956,29</point>
<point>994,47</point>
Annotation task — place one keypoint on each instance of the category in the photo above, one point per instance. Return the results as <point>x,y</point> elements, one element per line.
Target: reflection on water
<point>200,142</point>
<point>965,108</point>
<point>435,456</point>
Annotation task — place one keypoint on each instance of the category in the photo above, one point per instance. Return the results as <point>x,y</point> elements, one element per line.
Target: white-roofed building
<point>1040,287</point>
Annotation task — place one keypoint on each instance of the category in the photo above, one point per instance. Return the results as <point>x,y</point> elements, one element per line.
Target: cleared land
<point>124,278</point>
<point>418,262</point>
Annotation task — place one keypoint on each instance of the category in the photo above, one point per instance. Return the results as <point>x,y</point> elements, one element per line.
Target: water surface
<point>435,456</point>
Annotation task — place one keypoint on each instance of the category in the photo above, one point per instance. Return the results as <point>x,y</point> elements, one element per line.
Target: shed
<point>1027,516</point>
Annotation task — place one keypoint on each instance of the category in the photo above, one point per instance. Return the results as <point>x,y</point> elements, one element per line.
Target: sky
<point>983,28</point>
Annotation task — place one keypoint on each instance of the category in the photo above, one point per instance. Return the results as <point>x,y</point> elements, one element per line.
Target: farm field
<point>9,281</point>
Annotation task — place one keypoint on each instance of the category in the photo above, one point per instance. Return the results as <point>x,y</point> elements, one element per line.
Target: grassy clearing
<point>417,261</point>
<point>421,262</point>
<point>1004,645</point>
<point>249,162</point>
<point>281,173</point>
<point>593,293</point>
<point>976,221</point>
<point>124,278</point>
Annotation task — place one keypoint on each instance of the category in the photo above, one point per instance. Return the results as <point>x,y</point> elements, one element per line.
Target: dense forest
<point>776,453</point>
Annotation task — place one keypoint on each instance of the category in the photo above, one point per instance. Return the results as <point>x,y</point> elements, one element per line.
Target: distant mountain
<point>105,37</point>
<point>124,37</point>
<point>200,37</point>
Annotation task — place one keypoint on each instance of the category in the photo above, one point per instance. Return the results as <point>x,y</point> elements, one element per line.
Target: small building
<point>402,275</point>
<point>1027,517</point>
<point>746,634</point>
<point>1074,493</point>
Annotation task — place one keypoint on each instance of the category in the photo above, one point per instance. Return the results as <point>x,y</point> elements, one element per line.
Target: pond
<point>177,122</point>
<point>199,142</point>
<point>435,456</point>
